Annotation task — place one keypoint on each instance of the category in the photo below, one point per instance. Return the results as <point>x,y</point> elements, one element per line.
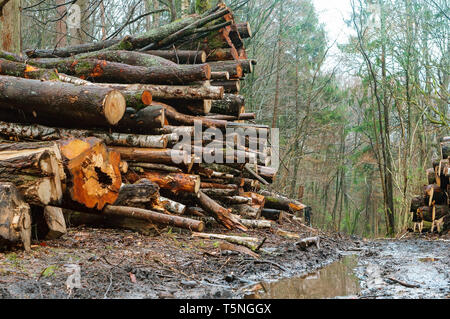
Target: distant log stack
<point>433,205</point>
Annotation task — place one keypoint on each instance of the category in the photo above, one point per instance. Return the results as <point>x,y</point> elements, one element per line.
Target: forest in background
<point>357,130</point>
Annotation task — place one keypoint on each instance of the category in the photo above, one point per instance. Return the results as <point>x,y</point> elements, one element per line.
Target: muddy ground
<point>172,264</point>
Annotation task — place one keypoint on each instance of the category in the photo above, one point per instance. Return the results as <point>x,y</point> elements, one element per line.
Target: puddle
<point>334,280</point>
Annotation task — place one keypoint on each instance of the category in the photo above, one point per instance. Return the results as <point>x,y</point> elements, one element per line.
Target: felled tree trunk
<point>45,133</point>
<point>175,182</point>
<point>61,103</point>
<point>180,56</point>
<point>231,86</point>
<point>220,54</point>
<point>26,71</point>
<point>142,194</point>
<point>281,203</point>
<point>114,72</point>
<point>203,91</point>
<point>440,211</point>
<point>173,115</point>
<point>15,219</point>
<point>93,171</point>
<point>222,215</point>
<point>35,169</point>
<point>246,211</point>
<point>234,69</point>
<point>244,30</point>
<point>195,107</point>
<point>230,105</point>
<point>445,148</point>
<point>154,217</point>
<point>152,155</point>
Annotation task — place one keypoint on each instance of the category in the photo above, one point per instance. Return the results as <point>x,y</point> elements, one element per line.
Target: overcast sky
<point>333,13</point>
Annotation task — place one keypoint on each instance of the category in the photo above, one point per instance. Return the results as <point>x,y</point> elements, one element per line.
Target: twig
<point>403,283</point>
<point>270,262</point>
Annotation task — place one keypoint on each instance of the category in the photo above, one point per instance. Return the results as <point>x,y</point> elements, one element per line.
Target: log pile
<point>134,133</point>
<point>431,210</point>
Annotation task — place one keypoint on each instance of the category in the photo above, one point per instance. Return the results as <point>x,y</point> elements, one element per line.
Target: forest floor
<point>170,264</point>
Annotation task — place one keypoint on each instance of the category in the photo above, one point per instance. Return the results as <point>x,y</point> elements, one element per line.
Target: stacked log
<point>432,208</point>
<point>144,131</point>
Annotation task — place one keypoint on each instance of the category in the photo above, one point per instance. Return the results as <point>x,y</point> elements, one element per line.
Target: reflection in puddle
<point>332,281</point>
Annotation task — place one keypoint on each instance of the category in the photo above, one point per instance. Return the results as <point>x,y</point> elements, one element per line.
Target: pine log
<point>194,107</point>
<point>440,211</point>
<point>15,217</point>
<point>309,241</point>
<point>250,242</point>
<point>222,54</point>
<point>173,115</point>
<point>230,105</point>
<point>435,193</point>
<point>158,167</point>
<point>180,56</point>
<point>431,176</point>
<point>62,103</point>
<point>26,71</point>
<point>222,215</point>
<point>114,72</point>
<point>230,86</point>
<point>152,155</point>
<point>218,186</point>
<point>220,76</point>
<point>279,202</point>
<point>247,116</point>
<point>45,133</point>
<point>219,192</point>
<point>244,30</point>
<point>247,211</point>
<point>233,68</point>
<point>230,200</point>
<point>93,171</point>
<point>35,169</point>
<point>158,218</point>
<point>172,206</point>
<point>142,194</point>
<point>272,214</point>
<point>416,202</point>
<point>143,121</point>
<point>175,182</point>
<point>203,91</point>
<point>119,56</point>
<point>76,218</point>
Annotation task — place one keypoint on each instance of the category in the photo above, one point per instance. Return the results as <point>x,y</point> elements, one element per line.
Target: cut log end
<point>146,97</point>
<point>114,107</point>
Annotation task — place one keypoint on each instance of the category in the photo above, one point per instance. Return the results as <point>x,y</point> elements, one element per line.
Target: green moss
<point>202,5</point>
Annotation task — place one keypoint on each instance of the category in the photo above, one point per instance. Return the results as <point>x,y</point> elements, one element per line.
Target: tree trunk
<point>234,69</point>
<point>44,133</point>
<point>148,215</point>
<point>180,56</point>
<point>427,211</point>
<point>26,71</point>
<point>142,194</point>
<point>35,169</point>
<point>15,219</point>
<point>142,121</point>
<point>222,215</point>
<point>230,105</point>
<point>175,182</point>
<point>93,171</point>
<point>62,103</point>
<point>48,222</point>
<point>151,155</point>
<point>114,72</point>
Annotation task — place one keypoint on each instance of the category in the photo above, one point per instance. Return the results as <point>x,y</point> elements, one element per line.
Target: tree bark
<point>62,103</point>
<point>231,86</point>
<point>10,28</point>
<point>35,169</point>
<point>93,171</point>
<point>175,182</point>
<point>222,215</point>
<point>180,56</point>
<point>230,105</point>
<point>114,72</point>
<point>142,121</point>
<point>158,218</point>
<point>15,219</point>
<point>152,155</point>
